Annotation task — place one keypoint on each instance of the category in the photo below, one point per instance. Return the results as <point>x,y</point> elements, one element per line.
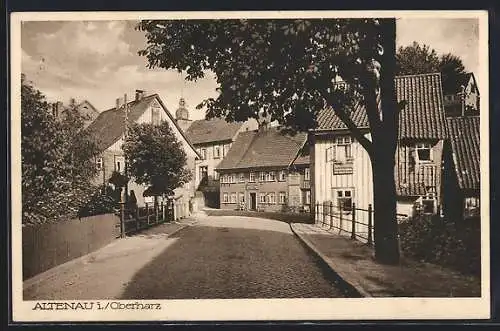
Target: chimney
<point>139,94</point>
<point>118,103</point>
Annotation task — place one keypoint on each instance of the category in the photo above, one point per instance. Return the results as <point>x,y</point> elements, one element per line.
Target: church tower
<point>182,115</point>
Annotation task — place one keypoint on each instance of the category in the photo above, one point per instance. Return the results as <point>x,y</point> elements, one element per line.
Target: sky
<point>98,61</point>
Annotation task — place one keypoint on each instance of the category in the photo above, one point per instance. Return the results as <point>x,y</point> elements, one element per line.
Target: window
<point>155,115</point>
<point>241,197</point>
<point>225,197</point>
<point>424,152</point>
<point>308,197</point>
<point>233,197</point>
<point>307,174</point>
<point>216,152</point>
<point>341,151</point>
<point>203,153</point>
<point>282,198</point>
<point>98,163</point>
<point>241,179</point>
<point>262,198</point>
<point>216,175</point>
<point>272,176</point>
<point>428,203</point>
<point>271,197</point>
<point>344,199</point>
<point>262,176</point>
<point>230,179</point>
<point>119,163</point>
<point>282,176</point>
<point>471,206</point>
<point>252,177</point>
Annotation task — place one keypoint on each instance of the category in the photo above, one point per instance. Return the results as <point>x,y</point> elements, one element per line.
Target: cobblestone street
<point>233,257</point>
<point>216,258</point>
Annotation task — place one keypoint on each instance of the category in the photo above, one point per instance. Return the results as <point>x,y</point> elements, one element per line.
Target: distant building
<point>265,170</point>
<point>464,174</point>
<point>212,140</point>
<point>463,97</point>
<point>85,108</point>
<point>109,129</point>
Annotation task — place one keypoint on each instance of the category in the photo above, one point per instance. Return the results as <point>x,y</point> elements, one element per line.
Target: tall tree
<point>57,159</point>
<point>421,59</point>
<point>155,157</point>
<point>288,69</point>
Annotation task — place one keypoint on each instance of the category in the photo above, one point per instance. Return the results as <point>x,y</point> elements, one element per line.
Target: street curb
<point>79,260</point>
<point>355,286</point>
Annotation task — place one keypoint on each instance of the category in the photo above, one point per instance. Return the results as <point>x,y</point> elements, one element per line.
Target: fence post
<point>331,214</point>
<point>370,224</point>
<point>340,219</point>
<point>162,214</point>
<point>137,225</point>
<point>156,212</point>
<point>316,216</point>
<point>147,213</point>
<point>122,219</point>
<point>353,223</point>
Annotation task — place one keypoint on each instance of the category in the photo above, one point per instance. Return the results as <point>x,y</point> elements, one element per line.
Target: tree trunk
<point>384,203</point>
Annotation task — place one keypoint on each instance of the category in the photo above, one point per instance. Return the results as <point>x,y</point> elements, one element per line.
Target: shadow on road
<point>229,262</point>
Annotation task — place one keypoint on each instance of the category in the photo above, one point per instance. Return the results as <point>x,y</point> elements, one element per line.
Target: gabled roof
<point>217,129</point>
<point>465,144</point>
<point>463,79</point>
<point>422,117</point>
<point>266,148</point>
<point>109,126</point>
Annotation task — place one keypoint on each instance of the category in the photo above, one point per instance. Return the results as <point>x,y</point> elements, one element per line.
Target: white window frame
<point>262,176</point>
<point>241,178</point>
<point>282,176</point>
<point>252,177</point>
<point>272,176</point>
<point>99,163</point>
<point>423,146</point>
<point>233,197</point>
<point>429,197</point>
<point>216,152</point>
<point>282,198</point>
<point>308,198</point>
<point>225,197</point>
<point>241,197</point>
<point>342,194</point>
<point>203,153</point>
<point>262,198</point>
<point>120,164</point>
<point>271,198</point>
<point>307,174</point>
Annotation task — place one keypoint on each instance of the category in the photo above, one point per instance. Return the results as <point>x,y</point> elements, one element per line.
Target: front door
<point>253,201</point>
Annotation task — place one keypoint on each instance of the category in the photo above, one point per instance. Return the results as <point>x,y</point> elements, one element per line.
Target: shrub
<point>437,240</point>
<point>102,202</point>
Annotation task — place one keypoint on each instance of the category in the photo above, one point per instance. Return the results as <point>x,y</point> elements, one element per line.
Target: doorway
<point>253,201</point>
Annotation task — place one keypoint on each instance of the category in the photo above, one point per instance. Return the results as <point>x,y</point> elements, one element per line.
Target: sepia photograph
<point>250,166</point>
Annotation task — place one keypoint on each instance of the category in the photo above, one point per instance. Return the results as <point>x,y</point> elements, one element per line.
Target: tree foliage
<point>421,59</point>
<point>289,69</point>
<point>155,157</point>
<point>57,159</point>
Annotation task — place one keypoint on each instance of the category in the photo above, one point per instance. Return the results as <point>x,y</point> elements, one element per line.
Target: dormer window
<point>424,152</point>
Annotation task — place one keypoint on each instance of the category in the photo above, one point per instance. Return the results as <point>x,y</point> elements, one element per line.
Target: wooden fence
<point>50,244</point>
<point>353,221</point>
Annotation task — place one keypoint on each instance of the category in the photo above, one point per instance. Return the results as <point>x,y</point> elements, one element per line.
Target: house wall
<point>183,194</point>
<point>290,186</point>
<point>211,162</point>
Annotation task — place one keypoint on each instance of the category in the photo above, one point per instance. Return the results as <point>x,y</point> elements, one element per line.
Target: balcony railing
<point>417,177</point>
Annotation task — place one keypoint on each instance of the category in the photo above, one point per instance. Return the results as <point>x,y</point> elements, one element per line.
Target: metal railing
<point>353,221</point>
<point>133,220</point>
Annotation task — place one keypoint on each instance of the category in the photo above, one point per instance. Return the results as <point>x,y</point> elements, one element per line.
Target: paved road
<point>215,258</point>
<point>233,257</point>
